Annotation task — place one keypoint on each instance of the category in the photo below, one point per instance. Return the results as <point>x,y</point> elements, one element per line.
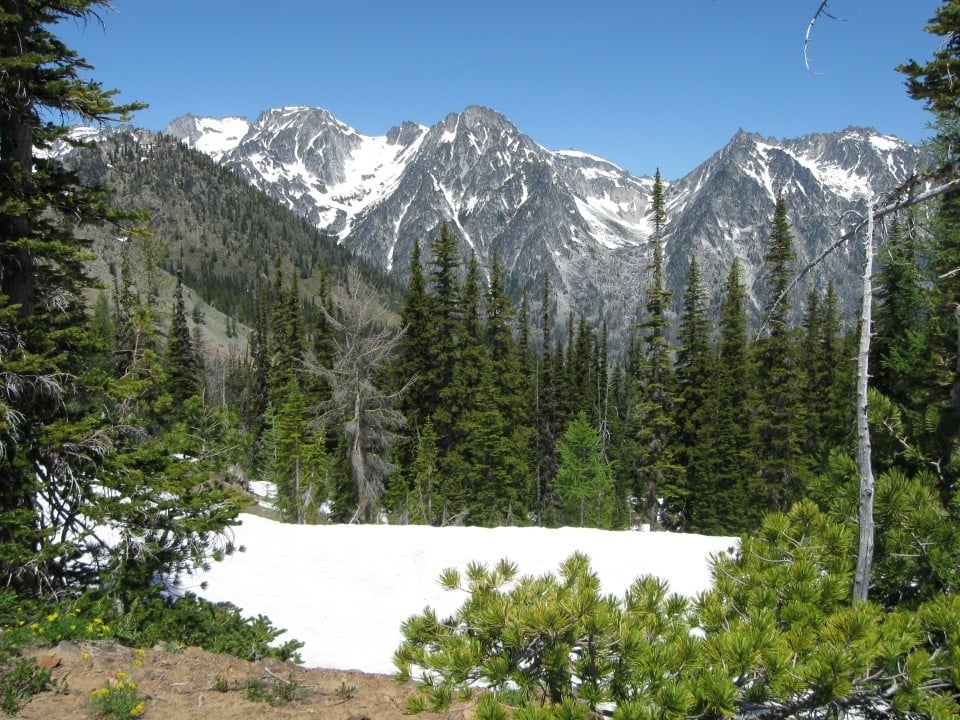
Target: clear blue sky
<point>642,83</point>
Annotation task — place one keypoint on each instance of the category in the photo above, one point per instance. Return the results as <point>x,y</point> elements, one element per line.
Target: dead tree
<point>365,413</point>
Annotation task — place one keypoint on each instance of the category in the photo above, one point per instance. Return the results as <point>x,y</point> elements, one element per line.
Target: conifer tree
<point>414,355</point>
<point>694,369</point>
<point>507,367</point>
<point>253,415</point>
<point>722,503</point>
<point>287,349</point>
<point>933,83</point>
<point>476,424</point>
<point>780,418</point>
<point>658,474</point>
<point>297,463</point>
<point>828,377</point>
<point>585,478</point>
<point>546,418</point>
<point>61,459</point>
<point>901,356</point>
<point>427,497</point>
<point>182,361</point>
<point>444,336</point>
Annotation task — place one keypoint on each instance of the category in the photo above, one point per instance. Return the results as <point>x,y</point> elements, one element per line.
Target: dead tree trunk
<point>861,582</point>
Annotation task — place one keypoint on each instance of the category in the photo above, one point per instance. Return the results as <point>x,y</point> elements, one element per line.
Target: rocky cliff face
<point>577,217</point>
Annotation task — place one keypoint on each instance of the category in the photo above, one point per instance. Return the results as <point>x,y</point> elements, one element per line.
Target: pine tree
<point>182,361</point>
<point>658,474</point>
<point>780,418</point>
<point>585,478</point>
<point>722,503</point>
<point>545,420</point>
<point>694,369</point>
<point>935,437</point>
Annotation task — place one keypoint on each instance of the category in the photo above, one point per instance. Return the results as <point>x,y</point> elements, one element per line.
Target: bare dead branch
<point>822,10</point>
<point>900,198</point>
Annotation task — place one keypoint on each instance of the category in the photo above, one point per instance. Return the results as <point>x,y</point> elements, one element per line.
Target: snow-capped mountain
<point>214,137</point>
<point>578,217</point>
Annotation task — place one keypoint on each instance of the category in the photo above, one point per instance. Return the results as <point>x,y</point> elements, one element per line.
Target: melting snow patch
<point>345,589</point>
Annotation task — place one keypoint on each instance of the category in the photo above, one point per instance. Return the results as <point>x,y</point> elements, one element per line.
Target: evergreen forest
<point>130,426</point>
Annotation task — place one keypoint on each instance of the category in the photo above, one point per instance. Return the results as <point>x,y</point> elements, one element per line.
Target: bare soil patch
<point>188,683</point>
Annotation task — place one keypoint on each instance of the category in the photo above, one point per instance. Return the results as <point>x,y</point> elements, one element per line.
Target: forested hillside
<point>206,224</point>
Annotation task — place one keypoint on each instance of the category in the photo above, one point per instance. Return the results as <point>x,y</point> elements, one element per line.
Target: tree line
<point>492,421</point>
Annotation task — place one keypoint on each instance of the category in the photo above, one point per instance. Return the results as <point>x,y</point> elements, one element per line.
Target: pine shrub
<point>776,636</point>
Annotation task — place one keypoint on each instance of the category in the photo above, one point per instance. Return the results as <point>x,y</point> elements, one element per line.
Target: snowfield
<point>344,590</point>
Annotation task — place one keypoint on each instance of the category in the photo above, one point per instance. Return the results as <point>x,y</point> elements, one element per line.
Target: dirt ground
<point>188,683</point>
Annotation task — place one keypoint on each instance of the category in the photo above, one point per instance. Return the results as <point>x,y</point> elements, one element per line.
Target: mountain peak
<point>577,216</point>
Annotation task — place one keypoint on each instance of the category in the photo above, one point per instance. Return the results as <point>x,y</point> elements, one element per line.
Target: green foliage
<point>20,682</point>
<point>585,478</point>
<point>917,539</point>
<point>149,621</point>
<point>344,691</point>
<point>193,621</point>
<point>275,691</point>
<point>775,635</point>
<point>650,452</point>
<point>780,414</point>
<point>294,457</point>
<point>118,698</point>
<point>47,423</point>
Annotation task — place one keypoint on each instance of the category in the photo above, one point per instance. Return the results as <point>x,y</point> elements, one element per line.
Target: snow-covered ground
<point>344,590</point>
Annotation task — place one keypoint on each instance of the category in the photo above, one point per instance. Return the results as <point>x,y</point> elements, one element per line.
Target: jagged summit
<point>573,215</point>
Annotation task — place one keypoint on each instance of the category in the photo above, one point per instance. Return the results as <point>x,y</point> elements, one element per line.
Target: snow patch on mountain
<point>218,137</point>
<point>371,173</point>
<point>609,224</point>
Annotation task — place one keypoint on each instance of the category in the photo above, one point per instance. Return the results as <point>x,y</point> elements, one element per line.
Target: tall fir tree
<point>722,503</point>
<point>780,414</point>
<point>694,369</point>
<point>658,475</point>
<point>507,366</point>
<point>48,458</point>
<point>182,361</point>
<point>546,419</point>
<point>444,336</point>
<point>901,356</point>
<point>829,385</point>
<point>414,356</point>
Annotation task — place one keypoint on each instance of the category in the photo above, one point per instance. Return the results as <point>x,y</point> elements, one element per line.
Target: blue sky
<point>642,83</point>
